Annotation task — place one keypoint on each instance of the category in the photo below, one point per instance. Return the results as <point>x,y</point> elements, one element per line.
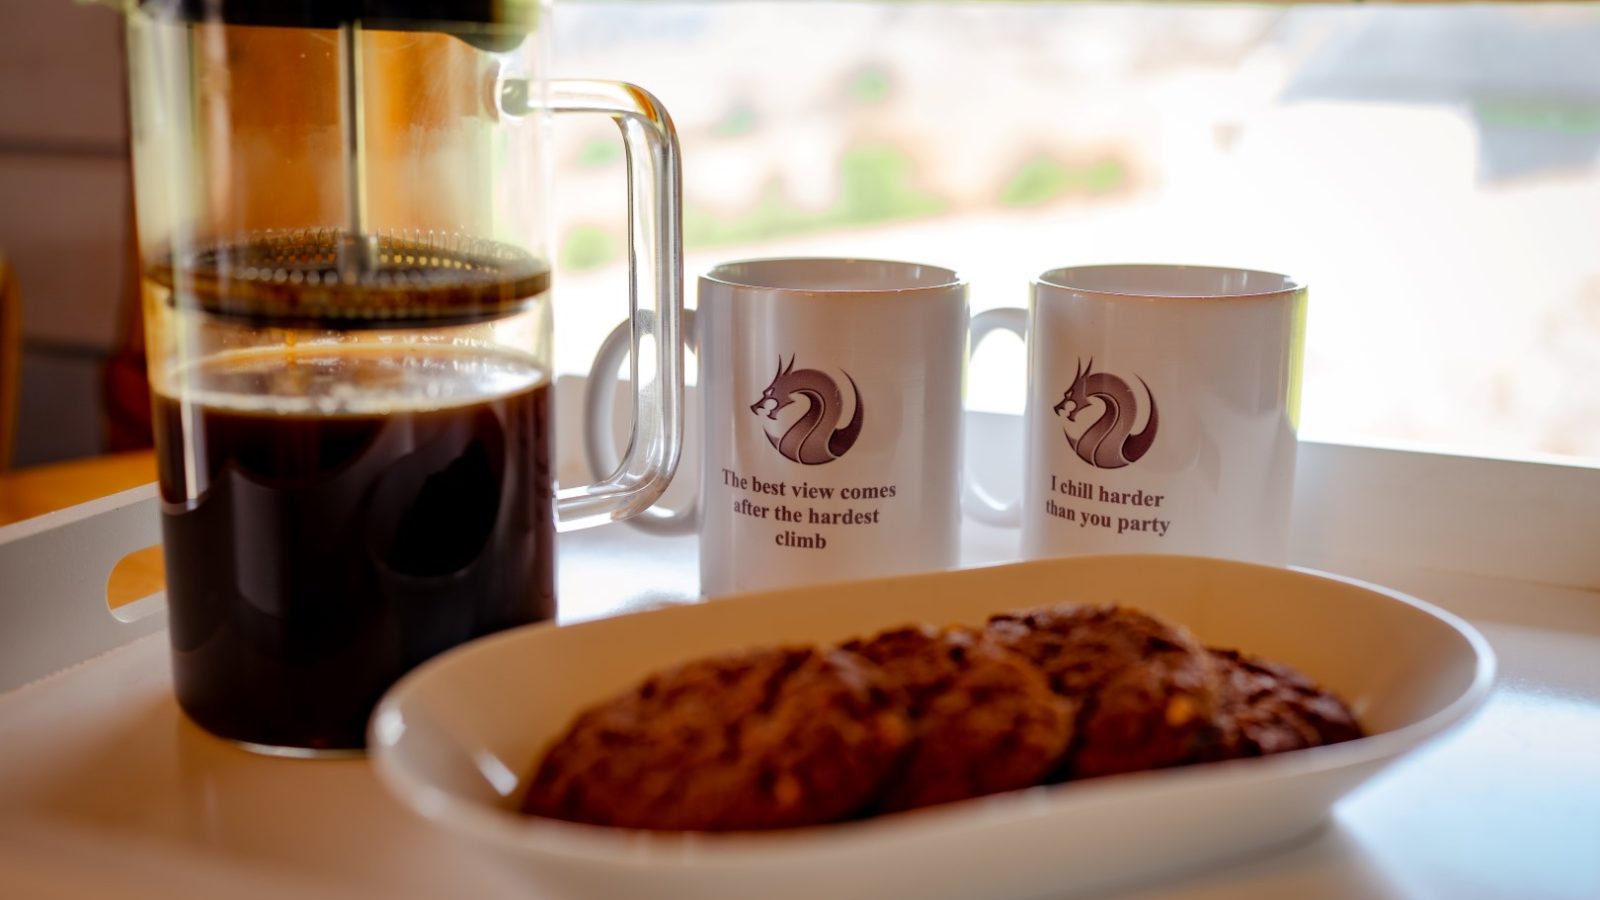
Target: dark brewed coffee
<point>334,516</point>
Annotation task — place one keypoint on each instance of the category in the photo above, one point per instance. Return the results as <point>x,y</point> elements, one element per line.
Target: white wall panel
<point>61,67</point>
<point>64,224</point>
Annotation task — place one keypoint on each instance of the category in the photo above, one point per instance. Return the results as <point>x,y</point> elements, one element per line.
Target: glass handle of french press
<point>655,270</point>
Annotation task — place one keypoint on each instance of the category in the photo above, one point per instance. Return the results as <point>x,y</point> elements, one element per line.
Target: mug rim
<point>946,277</point>
<point>1058,278</point>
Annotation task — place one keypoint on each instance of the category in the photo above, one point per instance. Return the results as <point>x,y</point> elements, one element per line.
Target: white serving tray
<point>105,790</point>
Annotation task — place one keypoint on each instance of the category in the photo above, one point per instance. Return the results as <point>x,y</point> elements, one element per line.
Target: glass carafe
<point>342,216</point>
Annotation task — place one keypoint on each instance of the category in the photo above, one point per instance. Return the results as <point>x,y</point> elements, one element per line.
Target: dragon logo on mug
<point>1107,443</point>
<point>817,437</point>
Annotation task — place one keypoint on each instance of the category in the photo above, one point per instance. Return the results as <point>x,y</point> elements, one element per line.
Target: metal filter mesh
<point>329,277</point>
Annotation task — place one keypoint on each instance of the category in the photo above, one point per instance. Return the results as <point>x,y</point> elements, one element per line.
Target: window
<point>1432,172</point>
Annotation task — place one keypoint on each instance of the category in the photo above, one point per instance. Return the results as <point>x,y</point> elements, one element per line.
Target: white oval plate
<point>455,740</point>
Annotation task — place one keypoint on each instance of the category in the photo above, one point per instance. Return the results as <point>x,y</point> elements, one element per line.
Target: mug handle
<point>975,501</point>
<point>655,269</point>
<point>599,444</point>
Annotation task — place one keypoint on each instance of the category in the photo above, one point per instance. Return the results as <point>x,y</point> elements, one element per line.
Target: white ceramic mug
<point>1162,409</point>
<point>831,414</point>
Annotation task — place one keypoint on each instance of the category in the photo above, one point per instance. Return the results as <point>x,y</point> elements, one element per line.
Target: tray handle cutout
<point>135,586</point>
<point>62,579</point>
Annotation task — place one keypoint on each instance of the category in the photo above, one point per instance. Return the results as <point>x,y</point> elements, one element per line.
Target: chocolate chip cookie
<point>1271,708</point>
<point>983,718</point>
<point>1148,695</point>
<point>768,738</point>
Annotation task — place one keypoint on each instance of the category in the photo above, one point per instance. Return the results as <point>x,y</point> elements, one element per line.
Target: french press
<point>342,215</point>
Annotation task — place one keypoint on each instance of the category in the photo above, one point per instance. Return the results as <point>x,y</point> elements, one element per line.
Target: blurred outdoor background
<point>1433,172</point>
